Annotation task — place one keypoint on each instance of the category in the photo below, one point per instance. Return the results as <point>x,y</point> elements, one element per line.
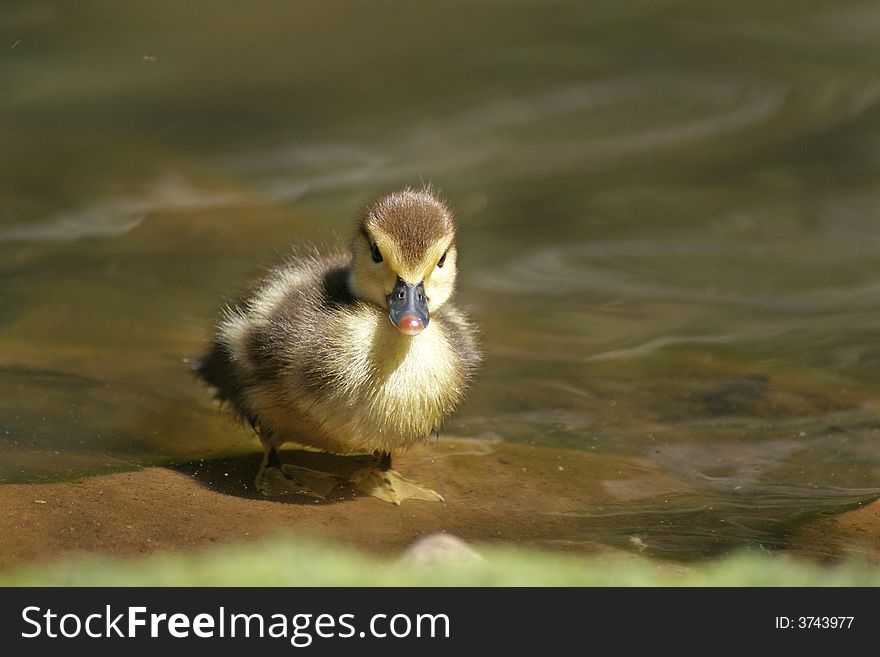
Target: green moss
<point>286,562</point>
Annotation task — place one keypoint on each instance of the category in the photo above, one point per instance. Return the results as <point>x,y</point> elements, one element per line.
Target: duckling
<point>357,352</point>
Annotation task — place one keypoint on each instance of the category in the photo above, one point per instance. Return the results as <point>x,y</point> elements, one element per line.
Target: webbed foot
<point>284,479</point>
<point>390,486</point>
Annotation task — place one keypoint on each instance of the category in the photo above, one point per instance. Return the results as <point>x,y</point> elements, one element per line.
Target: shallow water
<point>670,230</point>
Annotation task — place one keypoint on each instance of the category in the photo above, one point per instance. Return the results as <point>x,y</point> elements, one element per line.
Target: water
<point>670,231</point>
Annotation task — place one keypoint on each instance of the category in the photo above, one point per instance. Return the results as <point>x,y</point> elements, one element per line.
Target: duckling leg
<point>276,479</point>
<point>388,485</point>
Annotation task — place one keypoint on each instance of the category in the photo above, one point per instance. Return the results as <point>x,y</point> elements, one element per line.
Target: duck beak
<point>408,308</point>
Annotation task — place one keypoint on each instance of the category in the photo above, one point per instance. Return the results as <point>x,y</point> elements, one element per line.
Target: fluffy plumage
<point>309,355</point>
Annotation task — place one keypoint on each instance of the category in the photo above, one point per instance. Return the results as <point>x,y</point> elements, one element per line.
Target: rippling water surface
<point>670,229</point>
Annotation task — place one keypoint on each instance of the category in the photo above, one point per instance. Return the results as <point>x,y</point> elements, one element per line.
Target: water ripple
<point>117,215</point>
<point>514,133</point>
<point>607,267</point>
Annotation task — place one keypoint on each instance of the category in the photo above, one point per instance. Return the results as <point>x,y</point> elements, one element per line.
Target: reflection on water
<point>670,231</point>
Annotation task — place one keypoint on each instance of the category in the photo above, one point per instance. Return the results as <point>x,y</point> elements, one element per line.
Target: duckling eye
<point>442,260</point>
<point>377,254</point>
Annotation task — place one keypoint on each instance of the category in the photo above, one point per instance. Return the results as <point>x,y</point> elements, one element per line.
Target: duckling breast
<point>381,389</point>
<point>323,369</point>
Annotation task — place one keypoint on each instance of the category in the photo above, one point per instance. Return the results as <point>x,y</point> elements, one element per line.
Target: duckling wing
<point>271,329</point>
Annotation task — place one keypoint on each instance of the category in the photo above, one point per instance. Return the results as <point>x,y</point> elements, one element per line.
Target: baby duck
<point>309,355</point>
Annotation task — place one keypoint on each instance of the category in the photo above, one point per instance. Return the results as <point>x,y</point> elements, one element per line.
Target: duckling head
<point>404,257</point>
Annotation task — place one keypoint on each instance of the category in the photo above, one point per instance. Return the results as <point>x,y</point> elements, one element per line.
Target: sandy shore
<point>507,494</point>
<point>854,534</point>
<point>517,494</point>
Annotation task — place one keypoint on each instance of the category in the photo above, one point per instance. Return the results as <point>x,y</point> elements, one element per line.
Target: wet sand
<point>851,535</point>
<point>494,492</point>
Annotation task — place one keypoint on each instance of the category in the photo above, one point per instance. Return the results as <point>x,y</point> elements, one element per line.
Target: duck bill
<point>408,308</point>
